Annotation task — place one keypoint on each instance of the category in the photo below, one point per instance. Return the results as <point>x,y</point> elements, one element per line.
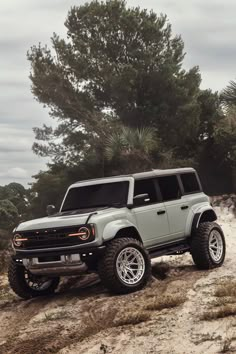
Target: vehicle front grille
<point>50,238</point>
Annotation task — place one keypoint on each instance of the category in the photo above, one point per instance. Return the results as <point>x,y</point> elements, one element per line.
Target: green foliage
<point>131,149</point>
<point>211,113</point>
<point>225,133</point>
<point>8,214</point>
<point>49,189</point>
<point>14,206</point>
<point>4,240</point>
<point>50,186</point>
<point>122,101</point>
<point>118,65</point>
<point>225,138</point>
<point>17,194</point>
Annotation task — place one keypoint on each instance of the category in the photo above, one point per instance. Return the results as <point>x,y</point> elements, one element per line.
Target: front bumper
<point>48,252</point>
<point>59,263</point>
<point>65,265</point>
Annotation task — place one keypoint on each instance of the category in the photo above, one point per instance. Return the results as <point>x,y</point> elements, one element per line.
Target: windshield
<point>96,195</point>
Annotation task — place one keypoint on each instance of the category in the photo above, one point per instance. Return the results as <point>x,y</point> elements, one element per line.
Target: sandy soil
<point>84,318</point>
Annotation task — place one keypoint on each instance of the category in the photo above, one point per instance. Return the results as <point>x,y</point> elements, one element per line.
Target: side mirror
<point>141,199</point>
<point>51,209</point>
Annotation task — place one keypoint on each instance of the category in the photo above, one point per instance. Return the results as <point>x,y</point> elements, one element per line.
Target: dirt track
<point>165,318</point>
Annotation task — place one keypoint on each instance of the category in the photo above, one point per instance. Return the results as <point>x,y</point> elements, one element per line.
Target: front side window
<point>146,186</point>
<point>169,187</point>
<point>96,195</point>
<point>190,182</point>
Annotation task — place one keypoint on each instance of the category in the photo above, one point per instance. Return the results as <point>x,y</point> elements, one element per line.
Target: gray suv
<point>114,226</point>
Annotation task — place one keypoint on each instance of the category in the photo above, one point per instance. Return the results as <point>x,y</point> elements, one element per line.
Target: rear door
<point>151,217</point>
<point>177,209</point>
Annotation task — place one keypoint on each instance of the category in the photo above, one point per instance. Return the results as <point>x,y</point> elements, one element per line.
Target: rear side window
<point>190,183</point>
<point>169,187</point>
<point>146,186</point>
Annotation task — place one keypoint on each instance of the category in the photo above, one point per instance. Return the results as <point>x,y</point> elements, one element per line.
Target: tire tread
<point>200,246</point>
<point>17,282</point>
<point>106,266</point>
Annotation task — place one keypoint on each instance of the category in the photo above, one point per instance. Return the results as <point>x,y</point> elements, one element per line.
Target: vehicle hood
<point>60,220</point>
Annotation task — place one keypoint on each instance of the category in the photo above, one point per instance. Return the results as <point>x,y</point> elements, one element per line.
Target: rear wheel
<point>208,246</point>
<point>125,267</point>
<point>26,285</point>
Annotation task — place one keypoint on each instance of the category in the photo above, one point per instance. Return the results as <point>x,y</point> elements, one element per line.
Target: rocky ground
<point>182,310</point>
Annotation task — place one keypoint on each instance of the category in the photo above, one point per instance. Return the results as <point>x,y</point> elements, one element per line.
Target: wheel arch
<point>130,231</point>
<point>119,229</point>
<point>203,216</point>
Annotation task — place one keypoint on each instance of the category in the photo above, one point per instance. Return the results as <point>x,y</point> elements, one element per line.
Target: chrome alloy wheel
<point>216,246</point>
<point>130,265</point>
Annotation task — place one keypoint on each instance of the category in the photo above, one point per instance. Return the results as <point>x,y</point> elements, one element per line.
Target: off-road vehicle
<point>114,226</point>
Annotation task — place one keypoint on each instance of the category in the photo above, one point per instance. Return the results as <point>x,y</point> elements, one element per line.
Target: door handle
<point>161,212</point>
<point>184,207</point>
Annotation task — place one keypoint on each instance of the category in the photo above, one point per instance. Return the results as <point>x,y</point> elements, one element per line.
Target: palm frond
<point>114,146</point>
<point>228,95</point>
<point>131,141</point>
<point>146,139</point>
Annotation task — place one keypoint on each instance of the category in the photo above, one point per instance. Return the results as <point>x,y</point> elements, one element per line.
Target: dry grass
<point>224,305</point>
<point>206,337</point>
<point>221,312</point>
<point>5,293</point>
<point>223,301</point>
<point>111,317</point>
<point>226,289</point>
<point>167,301</point>
<point>227,343</point>
<point>226,346</point>
<point>132,318</point>
<point>61,315</point>
<point>4,259</point>
<point>98,320</point>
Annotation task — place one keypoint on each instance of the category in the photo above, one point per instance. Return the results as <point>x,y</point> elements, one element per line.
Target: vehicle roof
<point>154,173</point>
<point>141,175</point>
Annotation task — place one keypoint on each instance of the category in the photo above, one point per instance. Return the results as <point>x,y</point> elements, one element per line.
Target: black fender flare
<point>210,215</point>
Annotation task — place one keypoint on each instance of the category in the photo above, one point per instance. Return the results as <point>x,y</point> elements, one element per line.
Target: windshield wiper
<point>102,206</point>
<point>76,209</point>
<point>110,205</point>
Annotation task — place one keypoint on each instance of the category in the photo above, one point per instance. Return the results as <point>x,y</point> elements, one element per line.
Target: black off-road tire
<point>200,249</point>
<point>18,283</point>
<point>107,266</point>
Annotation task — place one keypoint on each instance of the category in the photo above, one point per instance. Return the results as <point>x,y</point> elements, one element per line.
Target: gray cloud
<point>207,27</point>
<point>208,30</point>
<point>15,172</point>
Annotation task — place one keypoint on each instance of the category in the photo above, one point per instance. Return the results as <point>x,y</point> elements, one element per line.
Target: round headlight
<point>17,240</point>
<point>84,233</point>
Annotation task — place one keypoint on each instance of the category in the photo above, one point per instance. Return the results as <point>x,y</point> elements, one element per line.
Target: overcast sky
<point>208,29</point>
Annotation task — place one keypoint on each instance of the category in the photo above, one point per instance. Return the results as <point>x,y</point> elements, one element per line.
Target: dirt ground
<point>182,310</point>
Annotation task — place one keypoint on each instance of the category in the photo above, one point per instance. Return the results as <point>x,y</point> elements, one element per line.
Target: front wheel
<point>208,246</point>
<point>125,267</point>
<point>26,285</point>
